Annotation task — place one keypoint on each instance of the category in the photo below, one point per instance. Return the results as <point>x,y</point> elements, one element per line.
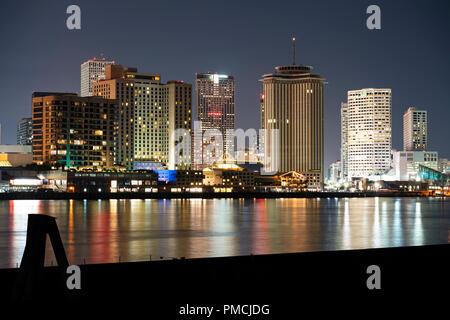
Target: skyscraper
<point>73,131</point>
<point>261,104</point>
<point>344,141</point>
<point>415,130</point>
<point>215,95</point>
<point>141,128</point>
<point>293,104</point>
<point>92,71</point>
<point>369,132</point>
<point>25,132</point>
<point>180,117</point>
<point>146,109</point>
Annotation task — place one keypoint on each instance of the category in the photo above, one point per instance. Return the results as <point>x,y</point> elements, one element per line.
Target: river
<point>101,231</point>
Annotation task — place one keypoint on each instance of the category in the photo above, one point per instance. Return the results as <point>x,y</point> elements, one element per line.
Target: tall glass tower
<point>215,94</point>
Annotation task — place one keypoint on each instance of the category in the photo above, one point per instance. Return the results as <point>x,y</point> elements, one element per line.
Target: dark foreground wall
<point>284,282</point>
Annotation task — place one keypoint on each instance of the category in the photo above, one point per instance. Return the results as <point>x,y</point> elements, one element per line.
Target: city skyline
<point>248,62</point>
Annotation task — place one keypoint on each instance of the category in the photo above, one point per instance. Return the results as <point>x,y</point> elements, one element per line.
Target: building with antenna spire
<point>293,104</point>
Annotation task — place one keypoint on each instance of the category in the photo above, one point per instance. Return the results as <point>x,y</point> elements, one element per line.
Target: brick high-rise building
<point>73,131</point>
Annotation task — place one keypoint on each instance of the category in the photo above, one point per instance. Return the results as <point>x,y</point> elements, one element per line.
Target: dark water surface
<point>136,230</point>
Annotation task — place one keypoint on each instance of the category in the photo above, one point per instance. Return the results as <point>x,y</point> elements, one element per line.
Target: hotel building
<point>369,132</point>
<point>215,95</point>
<point>72,131</point>
<point>92,71</point>
<point>141,124</point>
<point>146,110</point>
<point>415,130</point>
<point>293,104</point>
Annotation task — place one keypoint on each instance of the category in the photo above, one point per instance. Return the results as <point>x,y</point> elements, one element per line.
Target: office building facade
<point>369,132</point>
<point>92,71</point>
<point>215,94</point>
<point>180,117</point>
<point>415,130</point>
<point>293,104</point>
<point>25,132</point>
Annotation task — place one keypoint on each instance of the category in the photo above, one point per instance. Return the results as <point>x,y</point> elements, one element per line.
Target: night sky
<point>247,39</point>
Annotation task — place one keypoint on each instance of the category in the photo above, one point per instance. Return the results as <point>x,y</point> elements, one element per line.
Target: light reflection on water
<point>104,230</point>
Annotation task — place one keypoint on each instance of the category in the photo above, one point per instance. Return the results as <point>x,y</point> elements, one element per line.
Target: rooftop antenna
<point>293,56</point>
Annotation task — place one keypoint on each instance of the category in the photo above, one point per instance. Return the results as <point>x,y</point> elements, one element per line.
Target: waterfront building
<point>415,130</point>
<point>25,132</point>
<point>293,104</point>
<point>369,132</point>
<point>407,164</point>
<point>15,155</point>
<point>226,177</point>
<point>215,94</point>
<point>18,179</point>
<point>344,141</point>
<point>92,71</point>
<point>73,131</point>
<point>180,180</point>
<point>293,181</point>
<point>112,181</point>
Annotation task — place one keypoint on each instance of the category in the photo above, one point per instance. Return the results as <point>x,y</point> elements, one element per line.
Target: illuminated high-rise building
<point>261,105</point>
<point>73,131</point>
<point>215,95</point>
<point>369,132</point>
<point>293,104</point>
<point>141,127</point>
<point>25,132</point>
<point>148,111</point>
<point>92,71</point>
<point>415,130</point>
<point>344,141</point>
<point>180,117</point>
